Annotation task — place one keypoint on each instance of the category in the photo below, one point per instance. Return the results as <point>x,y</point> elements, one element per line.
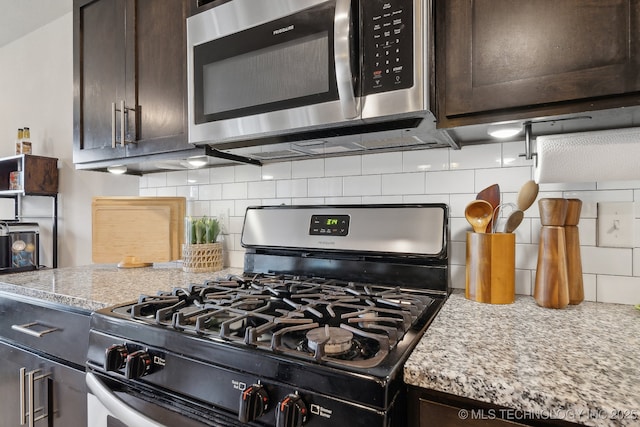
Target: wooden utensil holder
<point>490,276</point>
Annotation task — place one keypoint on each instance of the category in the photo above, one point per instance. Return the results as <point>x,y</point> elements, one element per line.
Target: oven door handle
<point>117,407</point>
<point>342,51</point>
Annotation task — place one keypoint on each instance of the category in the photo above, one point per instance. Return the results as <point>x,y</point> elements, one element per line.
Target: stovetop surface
<point>326,321</point>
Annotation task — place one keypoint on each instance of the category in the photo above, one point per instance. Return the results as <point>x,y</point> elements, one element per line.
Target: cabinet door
<point>103,75</point>
<point>161,77</point>
<point>504,56</point>
<point>63,385</point>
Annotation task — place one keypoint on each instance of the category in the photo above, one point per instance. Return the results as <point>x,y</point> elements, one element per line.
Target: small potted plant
<point>201,251</point>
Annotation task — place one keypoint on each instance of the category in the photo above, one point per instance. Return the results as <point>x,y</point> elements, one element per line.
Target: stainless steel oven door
<point>110,408</point>
<point>259,69</point>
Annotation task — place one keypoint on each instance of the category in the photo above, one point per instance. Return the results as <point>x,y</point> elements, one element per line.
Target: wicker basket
<point>202,258</point>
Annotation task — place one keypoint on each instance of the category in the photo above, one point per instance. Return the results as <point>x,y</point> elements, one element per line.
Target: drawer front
<point>47,329</point>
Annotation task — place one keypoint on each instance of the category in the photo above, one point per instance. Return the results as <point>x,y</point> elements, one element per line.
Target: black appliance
<point>19,246</point>
<point>315,332</point>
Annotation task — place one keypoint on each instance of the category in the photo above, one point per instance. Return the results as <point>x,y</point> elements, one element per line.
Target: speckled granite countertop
<point>97,286</point>
<point>581,364</point>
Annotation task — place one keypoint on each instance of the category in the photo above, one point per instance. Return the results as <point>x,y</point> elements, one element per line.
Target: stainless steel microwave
<point>259,69</point>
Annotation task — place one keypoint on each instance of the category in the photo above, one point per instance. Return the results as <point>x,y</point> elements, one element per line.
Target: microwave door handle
<point>342,50</point>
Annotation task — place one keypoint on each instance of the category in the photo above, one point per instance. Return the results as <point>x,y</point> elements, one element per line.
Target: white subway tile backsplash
<point>198,176</point>
<point>458,228</point>
<point>222,175</point>
<point>312,168</point>
<point>383,199</point>
<point>403,183</point>
<point>261,190</point>
<point>370,185</point>
<point>277,171</point>
<point>343,166</point>
<point>415,176</point>
<point>292,188</point>
<point>381,163</point>
<point>616,289</point>
<point>476,157</point>
<point>448,182</point>
<point>352,200</point>
<point>509,179</point>
<point>245,173</point>
<point>523,283</point>
<point>148,192</point>
<point>458,203</point>
<point>157,179</point>
<point>177,178</point>
<point>511,155</point>
<point>457,273</point>
<point>210,192</point>
<point>325,187</point>
<point>425,160</point>
<point>167,192</point>
<point>240,206</point>
<point>426,198</point>
<point>589,282</point>
<point>308,201</point>
<point>612,261</point>
<point>234,191</point>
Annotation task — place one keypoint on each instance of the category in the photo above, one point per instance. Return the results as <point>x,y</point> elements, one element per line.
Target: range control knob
<point>254,401</point>
<point>138,364</point>
<point>291,411</point>
<point>115,357</point>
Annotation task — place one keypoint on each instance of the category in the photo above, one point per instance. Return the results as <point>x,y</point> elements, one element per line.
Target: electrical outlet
<point>615,224</point>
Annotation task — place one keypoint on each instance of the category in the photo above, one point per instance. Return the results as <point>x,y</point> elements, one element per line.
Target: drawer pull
<point>25,329</point>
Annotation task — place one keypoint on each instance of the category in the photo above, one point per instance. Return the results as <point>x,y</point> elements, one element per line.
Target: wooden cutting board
<point>119,222</point>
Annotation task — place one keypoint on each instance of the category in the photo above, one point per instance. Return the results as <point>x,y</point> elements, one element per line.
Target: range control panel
<point>388,45</point>
<point>329,225</point>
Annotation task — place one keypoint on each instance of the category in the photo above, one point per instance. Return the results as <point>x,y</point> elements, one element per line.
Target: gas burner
<point>334,340</point>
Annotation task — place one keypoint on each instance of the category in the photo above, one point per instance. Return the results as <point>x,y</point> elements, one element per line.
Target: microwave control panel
<point>387,45</point>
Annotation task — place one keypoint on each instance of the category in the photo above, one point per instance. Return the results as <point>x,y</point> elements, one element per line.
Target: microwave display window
<point>289,70</point>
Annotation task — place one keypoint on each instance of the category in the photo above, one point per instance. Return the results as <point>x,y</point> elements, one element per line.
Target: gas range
<point>276,346</point>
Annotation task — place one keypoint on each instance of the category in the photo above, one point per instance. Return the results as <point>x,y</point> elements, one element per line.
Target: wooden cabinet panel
<point>503,55</point>
<point>63,387</point>
<point>131,51</point>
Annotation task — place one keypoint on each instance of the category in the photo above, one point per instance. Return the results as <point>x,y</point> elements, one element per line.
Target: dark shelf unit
<point>39,178</point>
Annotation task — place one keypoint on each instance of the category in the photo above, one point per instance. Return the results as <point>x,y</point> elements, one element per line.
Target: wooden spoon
<point>527,195</point>
<point>513,221</point>
<point>491,194</point>
<point>479,213</point>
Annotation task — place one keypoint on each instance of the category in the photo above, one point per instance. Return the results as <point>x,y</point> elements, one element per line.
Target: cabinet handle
<point>123,116</point>
<point>25,329</point>
<point>27,403</point>
<point>113,125</point>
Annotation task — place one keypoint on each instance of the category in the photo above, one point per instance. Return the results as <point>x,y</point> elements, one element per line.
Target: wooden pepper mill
<point>552,280</point>
<point>574,260</point>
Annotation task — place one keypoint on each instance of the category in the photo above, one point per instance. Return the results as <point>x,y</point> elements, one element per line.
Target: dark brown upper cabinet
<point>129,78</point>
<point>506,59</point>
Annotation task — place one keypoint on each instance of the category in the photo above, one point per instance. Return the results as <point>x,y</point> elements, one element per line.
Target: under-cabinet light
<point>117,169</point>
<point>504,130</point>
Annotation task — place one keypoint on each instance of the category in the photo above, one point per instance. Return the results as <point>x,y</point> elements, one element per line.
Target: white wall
<point>441,175</point>
<point>36,90</point>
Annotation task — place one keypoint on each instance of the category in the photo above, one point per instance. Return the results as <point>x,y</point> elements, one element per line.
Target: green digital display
<point>329,225</point>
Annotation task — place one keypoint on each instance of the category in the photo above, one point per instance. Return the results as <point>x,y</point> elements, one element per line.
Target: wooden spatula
<point>491,194</point>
